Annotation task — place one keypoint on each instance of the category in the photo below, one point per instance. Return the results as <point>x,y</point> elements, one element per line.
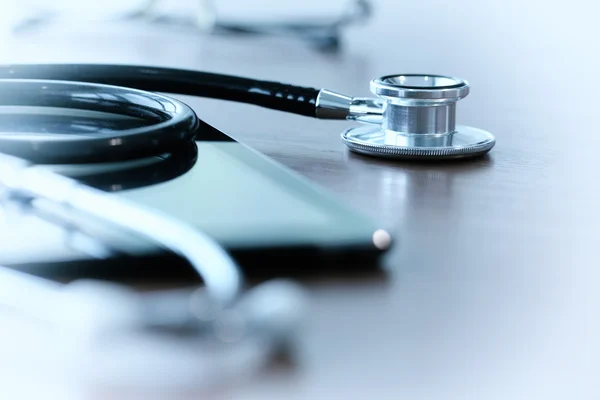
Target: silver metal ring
<point>418,120</point>
<point>465,142</point>
<point>419,87</point>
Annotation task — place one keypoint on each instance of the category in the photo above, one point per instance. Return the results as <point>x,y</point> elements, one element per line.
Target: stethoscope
<point>107,113</point>
<point>412,117</point>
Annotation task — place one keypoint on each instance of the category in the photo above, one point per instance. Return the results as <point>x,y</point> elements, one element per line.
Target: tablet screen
<point>238,196</point>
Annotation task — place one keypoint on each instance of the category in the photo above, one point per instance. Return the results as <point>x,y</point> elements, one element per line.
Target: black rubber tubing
<point>273,95</point>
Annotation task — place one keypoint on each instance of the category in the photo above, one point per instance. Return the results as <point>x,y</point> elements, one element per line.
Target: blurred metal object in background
<point>108,334</point>
<point>202,16</point>
<point>323,33</point>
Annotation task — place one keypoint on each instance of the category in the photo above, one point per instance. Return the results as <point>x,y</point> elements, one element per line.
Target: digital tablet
<point>269,218</point>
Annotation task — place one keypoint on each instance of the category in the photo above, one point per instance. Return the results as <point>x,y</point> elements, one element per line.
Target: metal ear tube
<point>219,330</point>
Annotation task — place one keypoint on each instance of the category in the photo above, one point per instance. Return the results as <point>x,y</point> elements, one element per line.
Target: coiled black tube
<point>59,122</point>
<point>274,95</point>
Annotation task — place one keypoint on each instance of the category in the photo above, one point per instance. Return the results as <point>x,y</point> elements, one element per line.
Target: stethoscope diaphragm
<point>418,121</point>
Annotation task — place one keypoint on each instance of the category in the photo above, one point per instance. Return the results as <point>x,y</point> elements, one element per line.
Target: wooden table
<point>491,291</point>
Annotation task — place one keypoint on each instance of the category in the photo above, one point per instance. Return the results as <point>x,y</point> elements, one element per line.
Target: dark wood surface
<point>491,290</point>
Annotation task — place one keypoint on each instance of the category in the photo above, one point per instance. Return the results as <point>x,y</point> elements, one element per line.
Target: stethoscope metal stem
<point>333,105</point>
<point>419,120</point>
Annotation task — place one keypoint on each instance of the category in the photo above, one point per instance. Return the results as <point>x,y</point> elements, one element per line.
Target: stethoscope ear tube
<point>129,91</point>
<point>274,95</point>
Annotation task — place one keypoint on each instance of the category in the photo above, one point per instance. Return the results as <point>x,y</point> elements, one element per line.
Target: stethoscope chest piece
<point>418,121</point>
